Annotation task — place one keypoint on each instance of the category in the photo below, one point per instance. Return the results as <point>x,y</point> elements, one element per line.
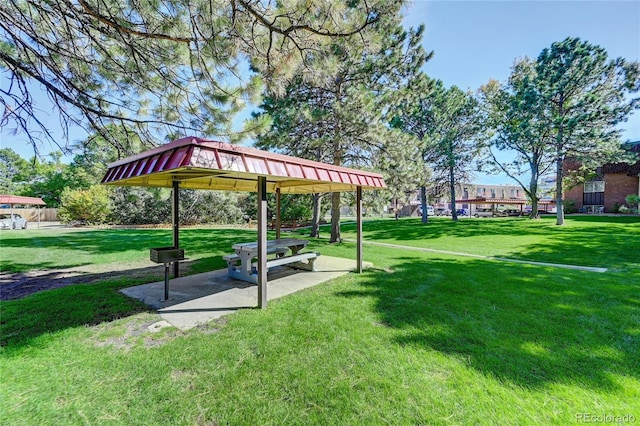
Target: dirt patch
<point>18,285</point>
<point>145,330</point>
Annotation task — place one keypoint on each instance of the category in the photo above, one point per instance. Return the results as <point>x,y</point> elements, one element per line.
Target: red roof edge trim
<point>18,199</point>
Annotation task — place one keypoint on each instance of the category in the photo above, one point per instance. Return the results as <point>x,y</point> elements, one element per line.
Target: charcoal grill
<point>166,255</point>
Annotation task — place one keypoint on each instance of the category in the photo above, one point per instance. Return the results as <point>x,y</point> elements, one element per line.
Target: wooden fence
<point>31,214</point>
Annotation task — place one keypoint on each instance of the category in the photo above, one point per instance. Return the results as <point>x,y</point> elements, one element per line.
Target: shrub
<point>141,206</point>
<point>634,201</point>
<point>293,206</point>
<point>570,207</point>
<point>624,209</point>
<point>216,207</point>
<point>85,206</point>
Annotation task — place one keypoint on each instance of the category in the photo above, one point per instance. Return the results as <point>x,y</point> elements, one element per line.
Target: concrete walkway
<point>479,256</point>
<point>197,299</point>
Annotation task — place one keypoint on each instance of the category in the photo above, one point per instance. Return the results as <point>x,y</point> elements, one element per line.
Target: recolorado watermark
<point>605,418</point>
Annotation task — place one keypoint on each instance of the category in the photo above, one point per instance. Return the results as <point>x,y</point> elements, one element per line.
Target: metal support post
<point>175,222</point>
<point>262,242</point>
<point>359,234</point>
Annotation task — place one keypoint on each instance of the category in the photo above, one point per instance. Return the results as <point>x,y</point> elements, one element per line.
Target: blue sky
<point>475,41</point>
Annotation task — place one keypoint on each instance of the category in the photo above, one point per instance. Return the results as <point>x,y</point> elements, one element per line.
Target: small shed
<point>195,163</point>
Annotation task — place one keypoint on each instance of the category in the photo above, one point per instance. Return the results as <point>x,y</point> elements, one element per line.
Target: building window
<point>594,186</point>
<point>593,193</point>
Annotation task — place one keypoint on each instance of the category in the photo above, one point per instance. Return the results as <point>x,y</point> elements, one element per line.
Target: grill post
<point>166,281</point>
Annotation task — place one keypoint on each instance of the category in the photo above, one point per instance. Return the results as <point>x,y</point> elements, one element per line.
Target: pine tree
<point>447,124</point>
<point>582,96</point>
<point>339,113</point>
<point>162,68</point>
<point>566,104</point>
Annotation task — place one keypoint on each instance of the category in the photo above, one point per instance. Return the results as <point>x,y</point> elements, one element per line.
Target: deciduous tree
<point>514,127</point>
<point>85,206</point>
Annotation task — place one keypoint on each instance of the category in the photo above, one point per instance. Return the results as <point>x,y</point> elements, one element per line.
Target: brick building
<point>609,188</point>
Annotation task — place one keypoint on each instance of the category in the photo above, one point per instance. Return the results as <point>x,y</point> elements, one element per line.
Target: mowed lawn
<point>422,338</point>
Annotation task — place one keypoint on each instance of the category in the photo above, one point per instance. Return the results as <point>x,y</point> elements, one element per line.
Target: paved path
<point>478,256</point>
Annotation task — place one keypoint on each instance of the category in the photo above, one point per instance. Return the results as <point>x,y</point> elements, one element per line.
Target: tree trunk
<point>315,220</point>
<point>452,191</point>
<point>335,196</point>
<point>423,204</point>
<point>559,202</point>
<point>559,161</point>
<point>533,193</point>
<point>335,218</point>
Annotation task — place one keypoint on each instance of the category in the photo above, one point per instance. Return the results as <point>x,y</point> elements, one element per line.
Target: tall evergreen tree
<point>447,122</point>
<point>567,104</point>
<point>339,114</point>
<point>582,96</point>
<point>454,141</point>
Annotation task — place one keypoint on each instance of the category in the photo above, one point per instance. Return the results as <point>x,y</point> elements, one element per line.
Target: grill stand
<point>166,256</point>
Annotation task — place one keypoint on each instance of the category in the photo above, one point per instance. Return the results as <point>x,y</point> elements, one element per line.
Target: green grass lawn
<point>423,338</point>
<point>70,248</point>
<point>599,241</point>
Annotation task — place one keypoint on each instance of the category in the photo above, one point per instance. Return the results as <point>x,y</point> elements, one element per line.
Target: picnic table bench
<point>240,264</point>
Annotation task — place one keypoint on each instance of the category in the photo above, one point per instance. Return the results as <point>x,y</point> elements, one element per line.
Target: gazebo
<point>13,200</point>
<point>195,163</point>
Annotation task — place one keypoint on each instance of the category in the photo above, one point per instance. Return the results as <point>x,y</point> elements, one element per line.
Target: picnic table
<point>285,251</point>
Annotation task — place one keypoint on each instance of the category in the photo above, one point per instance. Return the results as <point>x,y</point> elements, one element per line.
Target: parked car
<point>442,212</point>
<point>512,212</point>
<point>430,211</point>
<point>7,222</point>
<point>549,210</point>
<point>483,212</point>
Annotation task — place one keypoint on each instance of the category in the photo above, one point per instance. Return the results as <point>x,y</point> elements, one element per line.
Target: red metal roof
<point>205,164</point>
<point>17,199</point>
<point>483,200</point>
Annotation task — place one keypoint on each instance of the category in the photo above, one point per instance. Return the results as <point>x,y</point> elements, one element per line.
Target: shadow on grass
<point>11,266</point>
<point>18,286</point>
<point>25,321</point>
<point>81,300</point>
<point>523,324</point>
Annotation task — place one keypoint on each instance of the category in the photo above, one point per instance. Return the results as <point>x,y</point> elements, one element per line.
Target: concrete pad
<point>197,299</point>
